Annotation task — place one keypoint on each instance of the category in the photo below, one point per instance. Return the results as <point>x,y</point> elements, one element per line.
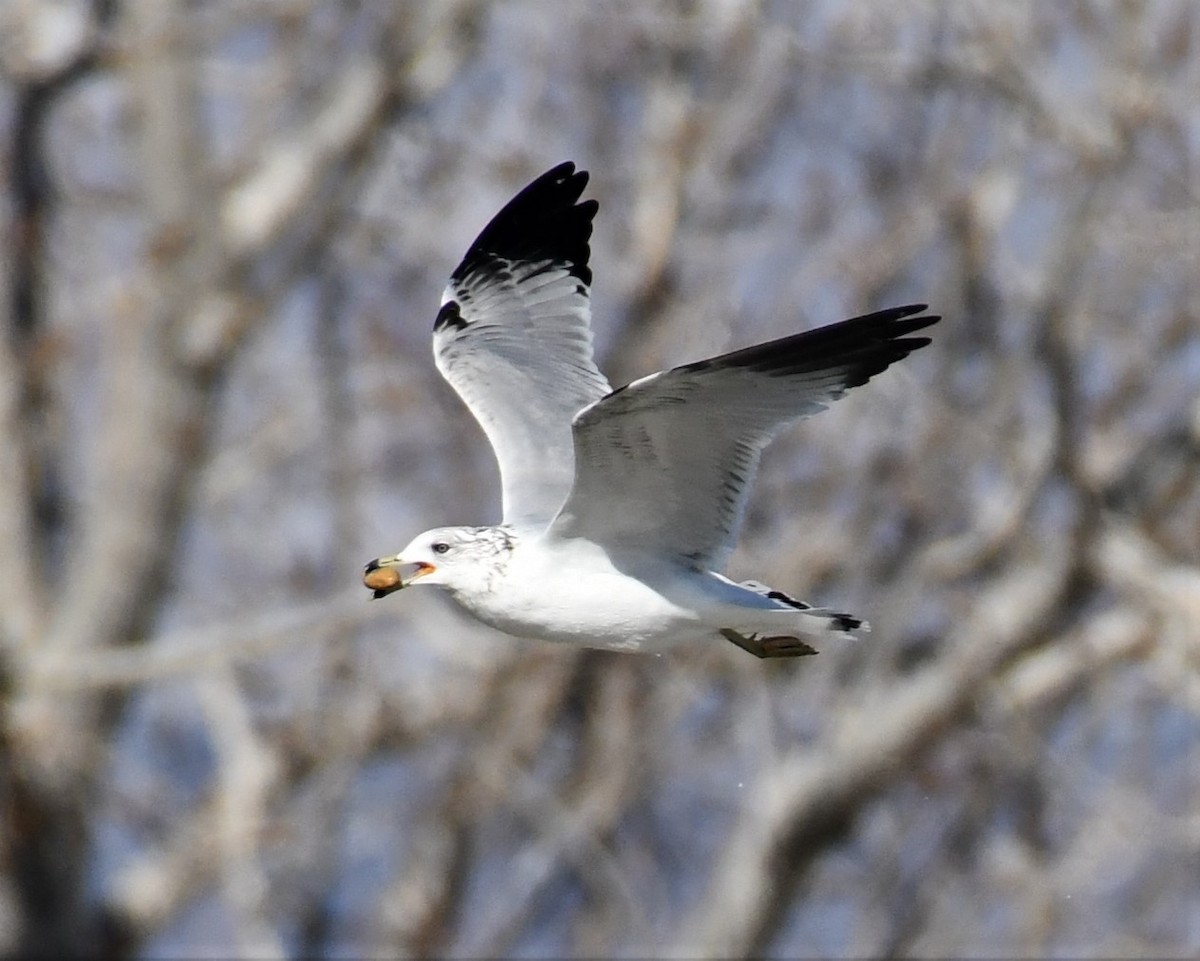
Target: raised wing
<point>513,338</point>
<point>664,465</point>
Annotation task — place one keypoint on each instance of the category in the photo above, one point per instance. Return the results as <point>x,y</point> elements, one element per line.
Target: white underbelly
<point>585,600</point>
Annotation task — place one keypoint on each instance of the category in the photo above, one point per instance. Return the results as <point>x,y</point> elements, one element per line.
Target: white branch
<point>866,751</point>
<point>258,209</point>
<point>202,649</point>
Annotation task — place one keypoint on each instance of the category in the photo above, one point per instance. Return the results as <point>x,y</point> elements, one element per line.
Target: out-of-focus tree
<point>227,226</point>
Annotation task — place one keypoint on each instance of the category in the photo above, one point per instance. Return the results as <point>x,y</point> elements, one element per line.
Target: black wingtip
<point>890,322</point>
<point>564,172</point>
<point>545,220</point>
<point>863,346</point>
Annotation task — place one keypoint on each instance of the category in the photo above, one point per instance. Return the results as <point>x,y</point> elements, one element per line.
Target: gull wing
<point>513,337</point>
<point>664,465</point>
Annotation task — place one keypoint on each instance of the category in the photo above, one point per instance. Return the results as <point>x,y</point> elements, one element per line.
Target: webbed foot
<point>780,645</point>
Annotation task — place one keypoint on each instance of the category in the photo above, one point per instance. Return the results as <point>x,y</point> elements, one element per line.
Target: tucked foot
<point>779,645</point>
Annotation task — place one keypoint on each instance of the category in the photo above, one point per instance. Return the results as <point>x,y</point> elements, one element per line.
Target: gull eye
<point>440,547</point>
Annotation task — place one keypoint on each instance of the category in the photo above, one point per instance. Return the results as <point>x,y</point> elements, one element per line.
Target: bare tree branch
<point>259,209</point>
<point>812,796</point>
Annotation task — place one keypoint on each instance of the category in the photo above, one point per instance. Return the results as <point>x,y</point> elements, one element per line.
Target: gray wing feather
<point>513,337</point>
<point>664,465</point>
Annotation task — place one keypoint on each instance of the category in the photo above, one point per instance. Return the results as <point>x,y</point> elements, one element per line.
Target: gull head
<point>457,558</point>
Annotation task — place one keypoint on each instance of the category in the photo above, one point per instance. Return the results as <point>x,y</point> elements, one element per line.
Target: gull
<point>620,507</point>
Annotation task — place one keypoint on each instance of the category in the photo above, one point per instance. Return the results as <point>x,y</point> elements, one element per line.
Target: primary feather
<point>666,462</point>
<point>513,337</point>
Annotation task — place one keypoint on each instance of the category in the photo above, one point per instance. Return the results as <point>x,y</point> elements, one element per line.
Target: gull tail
<point>778,640</point>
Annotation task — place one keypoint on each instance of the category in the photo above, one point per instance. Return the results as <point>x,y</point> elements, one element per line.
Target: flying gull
<point>620,506</point>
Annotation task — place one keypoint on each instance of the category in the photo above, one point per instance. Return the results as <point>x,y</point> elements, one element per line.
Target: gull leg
<point>780,645</point>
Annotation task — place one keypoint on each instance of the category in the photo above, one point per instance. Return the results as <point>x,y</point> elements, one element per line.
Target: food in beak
<point>382,580</point>
<point>383,576</point>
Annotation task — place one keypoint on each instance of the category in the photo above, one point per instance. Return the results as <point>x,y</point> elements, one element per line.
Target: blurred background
<point>227,228</point>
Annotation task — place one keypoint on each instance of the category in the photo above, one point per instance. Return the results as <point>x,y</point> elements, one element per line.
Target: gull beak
<point>387,574</point>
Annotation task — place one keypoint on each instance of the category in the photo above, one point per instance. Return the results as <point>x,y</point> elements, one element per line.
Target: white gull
<point>620,506</point>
